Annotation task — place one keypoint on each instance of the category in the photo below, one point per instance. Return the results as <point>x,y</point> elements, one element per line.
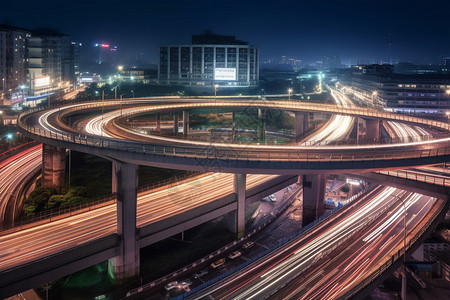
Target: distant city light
<point>9,136</point>
<point>105,45</point>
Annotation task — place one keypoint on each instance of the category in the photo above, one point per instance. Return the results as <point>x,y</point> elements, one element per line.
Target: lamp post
<point>404,227</point>
<point>289,93</point>
<point>448,119</point>
<point>101,125</point>
<point>216,86</point>
<point>133,93</point>
<point>121,104</point>
<point>3,89</point>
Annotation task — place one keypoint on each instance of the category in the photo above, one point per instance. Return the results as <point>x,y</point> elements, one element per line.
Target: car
<point>234,255</point>
<point>248,245</point>
<point>272,198</point>
<point>186,282</point>
<point>200,273</point>
<point>218,263</point>
<point>172,285</point>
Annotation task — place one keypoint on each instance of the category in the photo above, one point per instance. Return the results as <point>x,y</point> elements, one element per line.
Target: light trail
<point>12,172</point>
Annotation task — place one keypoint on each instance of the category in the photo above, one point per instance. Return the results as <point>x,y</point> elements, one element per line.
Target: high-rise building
<point>35,62</point>
<point>211,59</point>
<point>74,73</point>
<point>420,93</point>
<point>13,64</point>
<point>106,53</point>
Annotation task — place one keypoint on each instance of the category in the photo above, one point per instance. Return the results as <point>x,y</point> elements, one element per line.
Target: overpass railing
<point>4,155</point>
<point>56,214</point>
<point>307,228</point>
<point>286,105</point>
<point>413,175</point>
<point>245,152</point>
<point>248,152</point>
<point>398,255</point>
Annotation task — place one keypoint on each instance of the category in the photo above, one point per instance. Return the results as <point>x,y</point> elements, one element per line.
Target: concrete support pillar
<point>114,178</point>
<point>233,126</point>
<point>354,134</point>
<point>372,129</point>
<point>53,167</point>
<point>313,197</point>
<point>301,123</point>
<point>237,222</point>
<point>261,125</point>
<point>125,266</point>
<point>158,122</point>
<point>404,284</point>
<point>175,123</point>
<point>185,123</point>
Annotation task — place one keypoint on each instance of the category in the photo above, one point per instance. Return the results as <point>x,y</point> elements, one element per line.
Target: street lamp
<point>448,119</point>
<point>216,86</point>
<point>3,88</point>
<point>404,227</point>
<point>289,93</point>
<point>133,93</point>
<point>121,104</point>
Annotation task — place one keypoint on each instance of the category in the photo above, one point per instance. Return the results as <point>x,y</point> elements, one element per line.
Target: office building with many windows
<point>211,59</point>
<point>419,93</point>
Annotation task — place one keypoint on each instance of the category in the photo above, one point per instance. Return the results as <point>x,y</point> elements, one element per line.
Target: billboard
<point>224,74</point>
<point>41,81</point>
<point>16,97</point>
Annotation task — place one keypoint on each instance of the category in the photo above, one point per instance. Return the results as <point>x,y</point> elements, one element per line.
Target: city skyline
<point>373,31</point>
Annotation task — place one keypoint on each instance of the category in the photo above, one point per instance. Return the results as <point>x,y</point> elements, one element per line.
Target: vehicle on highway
<point>218,263</point>
<point>234,255</point>
<point>200,273</point>
<point>171,285</point>
<point>186,282</point>
<point>248,245</point>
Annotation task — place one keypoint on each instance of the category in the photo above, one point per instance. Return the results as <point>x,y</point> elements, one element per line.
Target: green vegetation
<point>91,177</point>
<point>44,198</point>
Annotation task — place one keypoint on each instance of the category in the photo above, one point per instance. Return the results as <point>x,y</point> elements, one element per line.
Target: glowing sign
<point>224,74</point>
<point>105,45</point>
<point>41,81</point>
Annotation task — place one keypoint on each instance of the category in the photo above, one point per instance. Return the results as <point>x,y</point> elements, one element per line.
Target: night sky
<point>353,29</point>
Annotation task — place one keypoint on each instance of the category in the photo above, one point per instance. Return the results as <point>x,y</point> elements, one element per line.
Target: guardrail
<point>264,253</point>
<point>232,244</point>
<point>54,214</point>
<point>434,179</point>
<point>4,155</point>
<point>213,254</point>
<point>394,258</point>
<point>228,152</point>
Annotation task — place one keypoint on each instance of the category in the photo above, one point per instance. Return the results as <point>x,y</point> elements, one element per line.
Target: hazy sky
<point>353,29</point>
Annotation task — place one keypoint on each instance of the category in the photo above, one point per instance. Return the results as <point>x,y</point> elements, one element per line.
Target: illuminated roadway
<point>78,229</point>
<point>13,171</point>
<point>360,238</point>
<point>176,153</point>
<point>42,240</point>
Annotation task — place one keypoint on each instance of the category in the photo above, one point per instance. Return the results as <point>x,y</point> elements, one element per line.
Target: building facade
<point>35,63</point>
<point>13,59</point>
<point>425,93</point>
<point>210,60</point>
